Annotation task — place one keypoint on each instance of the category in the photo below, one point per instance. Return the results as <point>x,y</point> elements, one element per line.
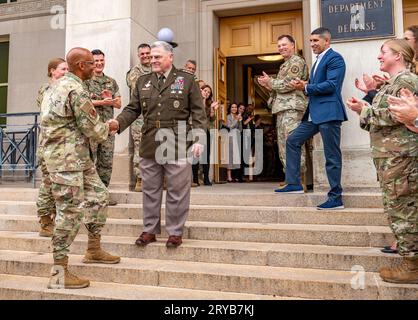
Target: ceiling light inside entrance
<point>271,58</point>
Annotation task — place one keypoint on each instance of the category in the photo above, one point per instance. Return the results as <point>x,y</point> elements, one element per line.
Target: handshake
<point>113,126</point>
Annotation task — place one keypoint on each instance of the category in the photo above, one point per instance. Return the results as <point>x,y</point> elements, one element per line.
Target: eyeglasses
<point>86,62</point>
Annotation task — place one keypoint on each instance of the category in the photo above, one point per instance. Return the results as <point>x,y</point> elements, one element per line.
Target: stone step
<point>240,253</point>
<point>13,287</point>
<point>330,235</point>
<point>220,195</point>
<point>260,214</point>
<point>259,280</point>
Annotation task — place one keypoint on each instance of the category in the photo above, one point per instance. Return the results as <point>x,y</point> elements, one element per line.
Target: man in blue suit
<point>324,115</point>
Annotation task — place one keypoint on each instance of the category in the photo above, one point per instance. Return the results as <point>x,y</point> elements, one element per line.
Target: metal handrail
<point>18,145</point>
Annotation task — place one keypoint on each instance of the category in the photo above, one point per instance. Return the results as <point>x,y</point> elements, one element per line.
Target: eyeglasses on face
<point>86,62</point>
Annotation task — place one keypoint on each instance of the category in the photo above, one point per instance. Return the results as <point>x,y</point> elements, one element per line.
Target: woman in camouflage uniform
<point>57,68</point>
<point>395,153</point>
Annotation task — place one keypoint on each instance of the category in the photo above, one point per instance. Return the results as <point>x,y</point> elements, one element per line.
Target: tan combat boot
<point>406,272</point>
<point>138,186</point>
<point>61,278</point>
<point>95,254</point>
<point>47,227</point>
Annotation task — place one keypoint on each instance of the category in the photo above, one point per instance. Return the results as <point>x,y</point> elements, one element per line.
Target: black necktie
<point>161,81</point>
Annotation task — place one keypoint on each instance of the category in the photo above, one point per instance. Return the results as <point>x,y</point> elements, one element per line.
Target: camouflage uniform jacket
<point>135,73</point>
<point>41,93</point>
<point>68,120</point>
<point>95,86</point>
<point>390,138</point>
<point>286,98</point>
<point>177,100</point>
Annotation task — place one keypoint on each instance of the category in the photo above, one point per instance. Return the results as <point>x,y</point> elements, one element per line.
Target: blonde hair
<point>53,64</point>
<point>404,48</point>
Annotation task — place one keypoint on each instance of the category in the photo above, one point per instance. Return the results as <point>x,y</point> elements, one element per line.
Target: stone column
<point>117,28</point>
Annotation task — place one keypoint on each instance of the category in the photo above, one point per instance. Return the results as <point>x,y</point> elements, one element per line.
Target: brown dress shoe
<point>145,239</point>
<point>174,242</point>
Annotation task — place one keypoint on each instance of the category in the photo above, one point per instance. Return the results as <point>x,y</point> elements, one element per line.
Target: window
<point>7,1</point>
<point>4,74</point>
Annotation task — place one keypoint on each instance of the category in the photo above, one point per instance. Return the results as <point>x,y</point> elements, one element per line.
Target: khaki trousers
<point>179,177</point>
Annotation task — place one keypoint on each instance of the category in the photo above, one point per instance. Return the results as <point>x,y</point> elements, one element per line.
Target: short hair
<point>288,37</point>
<point>144,45</point>
<point>162,44</point>
<point>193,62</point>
<point>97,52</point>
<point>322,32</point>
<point>53,64</point>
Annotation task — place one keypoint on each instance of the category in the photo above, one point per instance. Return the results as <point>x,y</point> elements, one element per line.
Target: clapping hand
<point>197,150</point>
<point>379,80</point>
<point>215,106</point>
<point>405,108</point>
<point>113,126</point>
<point>265,81</point>
<point>368,84</point>
<point>106,94</point>
<point>298,84</point>
<point>356,105</point>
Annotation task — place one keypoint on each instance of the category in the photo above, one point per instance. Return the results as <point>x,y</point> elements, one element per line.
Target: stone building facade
<point>37,30</point>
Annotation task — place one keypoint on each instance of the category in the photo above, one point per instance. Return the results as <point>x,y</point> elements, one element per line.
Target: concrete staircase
<point>241,242</point>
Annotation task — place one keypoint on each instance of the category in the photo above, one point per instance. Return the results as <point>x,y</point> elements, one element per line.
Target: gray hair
<point>162,44</point>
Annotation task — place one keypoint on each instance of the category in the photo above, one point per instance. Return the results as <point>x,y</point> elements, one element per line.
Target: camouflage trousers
<point>399,182</point>
<point>286,122</point>
<point>45,203</point>
<point>102,155</point>
<point>79,197</point>
<point>136,131</point>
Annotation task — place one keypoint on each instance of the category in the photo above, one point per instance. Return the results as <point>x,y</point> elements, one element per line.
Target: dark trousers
<point>206,167</point>
<point>331,137</point>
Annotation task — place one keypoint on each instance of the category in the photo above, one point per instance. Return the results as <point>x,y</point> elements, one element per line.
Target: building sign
<point>358,20</point>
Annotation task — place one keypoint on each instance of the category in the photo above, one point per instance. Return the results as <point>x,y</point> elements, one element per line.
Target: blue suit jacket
<point>324,90</point>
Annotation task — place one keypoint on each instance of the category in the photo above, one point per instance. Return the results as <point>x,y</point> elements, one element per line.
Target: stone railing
<point>28,8</point>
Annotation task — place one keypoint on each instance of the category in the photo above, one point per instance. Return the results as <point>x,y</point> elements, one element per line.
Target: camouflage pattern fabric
<point>80,197</point>
<point>45,203</point>
<point>68,121</point>
<point>136,128</point>
<point>286,123</point>
<point>399,182</point>
<point>285,97</point>
<point>390,138</point>
<point>395,153</point>
<point>102,153</point>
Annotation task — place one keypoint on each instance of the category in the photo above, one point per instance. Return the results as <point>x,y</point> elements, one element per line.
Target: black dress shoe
<point>208,183</point>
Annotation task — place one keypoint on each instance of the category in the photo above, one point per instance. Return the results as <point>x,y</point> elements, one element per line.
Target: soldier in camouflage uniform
<point>289,105</point>
<point>68,121</point>
<point>395,154</point>
<point>46,204</point>
<point>104,91</point>
<point>142,68</point>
